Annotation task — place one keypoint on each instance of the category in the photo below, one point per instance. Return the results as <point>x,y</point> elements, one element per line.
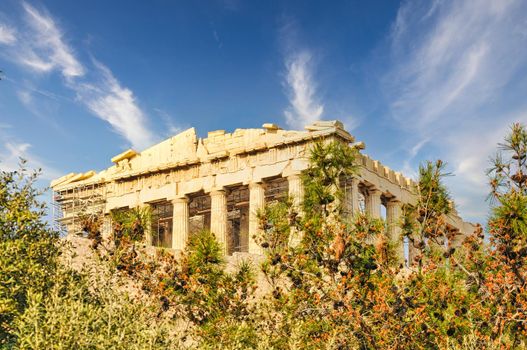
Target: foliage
<point>131,225</point>
<point>504,273</point>
<point>425,222</point>
<point>194,288</point>
<point>338,286</point>
<point>28,247</point>
<point>319,287</point>
<point>329,163</point>
<point>214,300</point>
<point>44,304</point>
<point>93,311</point>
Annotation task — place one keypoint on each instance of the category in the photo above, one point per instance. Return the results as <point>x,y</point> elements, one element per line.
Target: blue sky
<point>414,80</point>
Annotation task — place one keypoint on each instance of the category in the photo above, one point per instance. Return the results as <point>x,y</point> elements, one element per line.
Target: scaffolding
<point>57,215</point>
<point>70,205</point>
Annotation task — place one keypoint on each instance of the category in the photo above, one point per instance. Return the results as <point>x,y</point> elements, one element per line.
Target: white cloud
<point>11,152</point>
<point>456,77</point>
<point>117,105</point>
<point>42,48</point>
<point>31,60</point>
<point>46,49</point>
<point>306,104</point>
<point>7,35</point>
<point>301,89</point>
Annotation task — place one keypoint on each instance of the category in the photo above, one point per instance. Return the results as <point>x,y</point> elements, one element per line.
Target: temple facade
<point>221,181</point>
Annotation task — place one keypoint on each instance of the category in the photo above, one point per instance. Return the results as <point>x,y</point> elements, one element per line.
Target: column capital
<point>218,191</point>
<point>183,199</point>
<point>297,175</point>
<point>394,202</point>
<point>256,184</point>
<point>372,191</point>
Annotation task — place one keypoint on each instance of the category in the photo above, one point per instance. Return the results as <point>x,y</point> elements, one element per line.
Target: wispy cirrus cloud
<point>117,105</point>
<point>456,79</point>
<point>7,35</point>
<point>42,48</point>
<point>299,81</point>
<point>305,107</point>
<point>12,152</point>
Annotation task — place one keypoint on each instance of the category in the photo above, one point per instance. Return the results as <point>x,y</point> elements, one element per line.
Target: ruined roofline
<point>203,150</point>
<point>219,145</point>
<point>376,167</point>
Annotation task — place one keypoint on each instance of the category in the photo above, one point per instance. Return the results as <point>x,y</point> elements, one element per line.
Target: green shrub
<point>29,249</point>
<point>93,311</point>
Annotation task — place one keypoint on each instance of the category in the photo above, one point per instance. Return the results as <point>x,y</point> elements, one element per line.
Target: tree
<point>29,249</point>
<point>323,289</point>
<point>504,274</point>
<point>424,223</point>
<point>45,304</point>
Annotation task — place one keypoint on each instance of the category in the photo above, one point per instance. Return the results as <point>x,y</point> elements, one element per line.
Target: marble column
<point>373,203</point>
<point>256,203</point>
<point>351,197</point>
<point>296,192</point>
<point>180,223</point>
<point>296,189</point>
<point>355,196</point>
<point>393,215</point>
<point>218,217</point>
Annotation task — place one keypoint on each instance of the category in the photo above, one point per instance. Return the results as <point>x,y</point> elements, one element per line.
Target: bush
<point>29,249</point>
<point>93,313</point>
<point>338,287</point>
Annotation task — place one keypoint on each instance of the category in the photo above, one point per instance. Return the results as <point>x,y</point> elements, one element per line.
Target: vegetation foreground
<point>338,286</point>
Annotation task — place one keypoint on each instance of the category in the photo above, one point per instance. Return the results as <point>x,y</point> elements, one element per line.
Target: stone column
<point>373,203</point>
<point>296,189</point>
<point>256,203</point>
<point>355,195</point>
<point>180,224</point>
<point>351,197</point>
<point>296,192</point>
<point>218,217</point>
<point>393,215</point>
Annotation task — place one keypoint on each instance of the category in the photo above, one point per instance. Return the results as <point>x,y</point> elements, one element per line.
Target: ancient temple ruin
<point>221,181</point>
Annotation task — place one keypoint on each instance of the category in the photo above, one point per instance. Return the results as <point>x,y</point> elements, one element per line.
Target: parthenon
<point>221,181</point>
